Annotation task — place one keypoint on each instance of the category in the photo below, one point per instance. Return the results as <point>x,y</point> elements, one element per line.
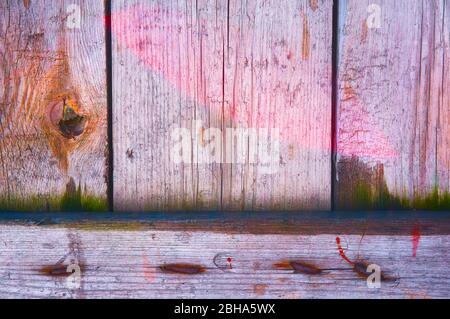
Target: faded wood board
<point>205,67</point>
<point>393,124</point>
<point>264,223</point>
<point>126,264</point>
<point>53,127</point>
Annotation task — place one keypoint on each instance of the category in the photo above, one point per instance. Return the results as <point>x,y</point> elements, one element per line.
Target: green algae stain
<point>73,200</point>
<point>53,204</point>
<point>360,187</point>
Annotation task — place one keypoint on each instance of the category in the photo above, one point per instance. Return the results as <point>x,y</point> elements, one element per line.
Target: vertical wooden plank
<point>393,115</point>
<point>207,67</point>
<point>53,142</point>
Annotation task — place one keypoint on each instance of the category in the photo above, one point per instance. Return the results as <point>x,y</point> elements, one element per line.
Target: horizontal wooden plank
<point>289,223</point>
<point>53,108</point>
<point>185,264</point>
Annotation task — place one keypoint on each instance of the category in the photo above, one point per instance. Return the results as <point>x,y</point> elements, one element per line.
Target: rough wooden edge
<point>368,223</point>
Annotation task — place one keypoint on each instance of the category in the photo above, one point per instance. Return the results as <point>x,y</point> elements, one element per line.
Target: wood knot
<point>71,123</point>
<point>64,115</point>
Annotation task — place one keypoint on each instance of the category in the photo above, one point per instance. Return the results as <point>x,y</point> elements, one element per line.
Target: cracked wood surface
<point>236,64</point>
<point>52,105</point>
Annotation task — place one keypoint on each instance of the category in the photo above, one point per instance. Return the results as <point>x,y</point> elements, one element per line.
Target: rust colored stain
<point>349,92</point>
<point>26,3</point>
<point>314,4</point>
<point>186,269</point>
<point>306,45</point>
<point>299,267</point>
<point>291,151</point>
<point>57,270</point>
<point>365,30</point>
<point>415,239</point>
<point>260,289</point>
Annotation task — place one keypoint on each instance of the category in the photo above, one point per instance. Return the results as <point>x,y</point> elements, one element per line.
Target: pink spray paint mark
<point>149,274</point>
<point>415,239</point>
<point>163,38</point>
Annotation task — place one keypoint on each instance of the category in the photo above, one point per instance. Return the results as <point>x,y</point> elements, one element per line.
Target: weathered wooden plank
<point>118,264</point>
<point>393,107</point>
<point>265,223</point>
<point>53,105</point>
<point>209,66</point>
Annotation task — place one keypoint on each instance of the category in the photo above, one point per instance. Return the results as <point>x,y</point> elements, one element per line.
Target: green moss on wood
<point>73,200</point>
<point>53,204</point>
<point>360,187</point>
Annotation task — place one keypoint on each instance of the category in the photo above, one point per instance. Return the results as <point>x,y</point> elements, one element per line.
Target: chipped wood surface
<point>53,105</point>
<point>183,264</point>
<point>393,108</point>
<point>249,64</point>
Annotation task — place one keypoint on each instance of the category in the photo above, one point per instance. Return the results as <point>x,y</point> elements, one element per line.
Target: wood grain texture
<point>393,107</point>
<point>53,105</point>
<point>127,264</point>
<point>264,223</point>
<point>201,65</point>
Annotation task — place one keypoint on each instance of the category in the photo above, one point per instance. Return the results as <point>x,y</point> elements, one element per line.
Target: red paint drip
<point>341,251</point>
<point>415,239</point>
<point>229,261</point>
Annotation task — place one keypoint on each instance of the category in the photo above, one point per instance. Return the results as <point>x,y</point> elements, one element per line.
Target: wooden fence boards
<point>205,67</point>
<point>393,107</point>
<point>210,64</point>
<point>53,108</point>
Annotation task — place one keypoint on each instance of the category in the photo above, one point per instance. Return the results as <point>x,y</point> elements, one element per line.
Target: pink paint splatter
<point>163,38</point>
<point>149,274</point>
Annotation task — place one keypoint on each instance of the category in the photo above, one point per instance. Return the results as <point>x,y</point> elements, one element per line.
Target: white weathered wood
<point>393,107</point>
<point>50,52</point>
<point>124,264</point>
<point>249,64</point>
